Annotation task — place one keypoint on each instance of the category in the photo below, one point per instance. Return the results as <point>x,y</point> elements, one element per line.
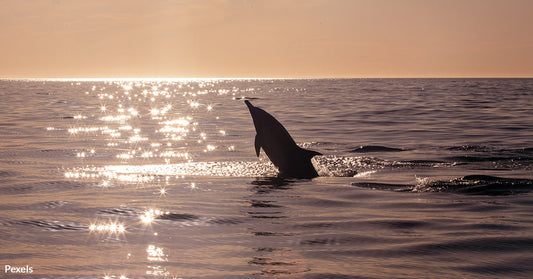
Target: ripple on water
<point>470,185</point>
<point>51,225</point>
<point>43,186</point>
<point>473,245</point>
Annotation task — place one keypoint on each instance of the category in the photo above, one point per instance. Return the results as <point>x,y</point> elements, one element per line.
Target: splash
<point>469,185</point>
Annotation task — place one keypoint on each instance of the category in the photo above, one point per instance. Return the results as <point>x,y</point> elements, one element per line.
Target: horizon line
<point>252,78</point>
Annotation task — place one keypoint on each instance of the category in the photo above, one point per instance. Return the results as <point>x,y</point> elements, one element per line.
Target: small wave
<point>485,153</point>
<point>471,185</point>
<point>186,219</point>
<point>121,211</point>
<point>385,186</point>
<point>334,276</point>
<point>263,204</point>
<point>477,148</point>
<point>151,215</point>
<point>7,124</point>
<point>483,244</point>
<point>245,98</point>
<point>508,268</point>
<point>375,148</point>
<point>40,186</point>
<point>177,217</point>
<point>472,159</point>
<point>55,204</point>
<point>148,216</point>
<point>478,185</point>
<point>15,190</point>
<point>47,205</point>
<point>52,225</point>
<point>4,174</point>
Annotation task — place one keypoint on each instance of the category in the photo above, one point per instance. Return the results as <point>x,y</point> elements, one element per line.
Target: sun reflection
<point>125,156</point>
<point>173,134</point>
<point>127,86</point>
<point>147,173</point>
<point>109,228</point>
<point>156,254</point>
<point>107,175</point>
<point>87,129</point>
<point>209,148</point>
<point>120,117</point>
<point>193,104</point>
<point>149,215</point>
<point>154,112</point>
<point>184,121</point>
<point>174,154</point>
<point>133,111</point>
<point>122,276</point>
<point>147,154</point>
<point>163,192</point>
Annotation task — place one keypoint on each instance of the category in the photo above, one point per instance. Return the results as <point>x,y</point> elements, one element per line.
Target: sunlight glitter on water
<point>144,125</point>
<point>141,121</point>
<point>146,173</point>
<point>149,215</point>
<point>108,229</point>
<point>115,276</point>
<point>156,254</point>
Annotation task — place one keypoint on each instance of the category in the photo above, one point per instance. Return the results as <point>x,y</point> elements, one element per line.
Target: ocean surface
<point>420,178</point>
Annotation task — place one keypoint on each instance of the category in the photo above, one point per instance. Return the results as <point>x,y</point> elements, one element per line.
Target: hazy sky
<point>309,38</point>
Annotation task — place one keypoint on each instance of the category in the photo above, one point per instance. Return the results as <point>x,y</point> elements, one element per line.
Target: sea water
<point>420,178</point>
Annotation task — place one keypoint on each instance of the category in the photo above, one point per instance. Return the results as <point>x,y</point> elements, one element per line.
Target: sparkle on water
<point>146,104</point>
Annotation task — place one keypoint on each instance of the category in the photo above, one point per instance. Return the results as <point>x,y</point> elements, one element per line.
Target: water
<point>420,178</point>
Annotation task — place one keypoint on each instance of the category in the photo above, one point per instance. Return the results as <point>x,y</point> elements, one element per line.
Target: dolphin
<point>290,159</point>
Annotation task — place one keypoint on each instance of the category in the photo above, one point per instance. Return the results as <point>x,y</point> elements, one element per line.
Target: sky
<point>265,39</point>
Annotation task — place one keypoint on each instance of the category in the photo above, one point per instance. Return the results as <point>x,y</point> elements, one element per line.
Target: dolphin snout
<point>250,106</point>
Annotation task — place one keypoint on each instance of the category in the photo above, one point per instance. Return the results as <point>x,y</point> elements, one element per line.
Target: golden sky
<point>265,38</point>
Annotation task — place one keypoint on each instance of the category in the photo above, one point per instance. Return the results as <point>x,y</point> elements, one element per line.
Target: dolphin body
<point>291,160</point>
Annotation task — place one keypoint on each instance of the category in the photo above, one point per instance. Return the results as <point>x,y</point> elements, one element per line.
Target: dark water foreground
<point>155,179</point>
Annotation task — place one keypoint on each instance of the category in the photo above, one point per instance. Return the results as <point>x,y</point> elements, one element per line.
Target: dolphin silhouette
<point>290,159</point>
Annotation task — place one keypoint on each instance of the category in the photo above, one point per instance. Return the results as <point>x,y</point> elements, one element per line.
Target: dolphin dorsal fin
<point>310,153</point>
<point>257,145</point>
